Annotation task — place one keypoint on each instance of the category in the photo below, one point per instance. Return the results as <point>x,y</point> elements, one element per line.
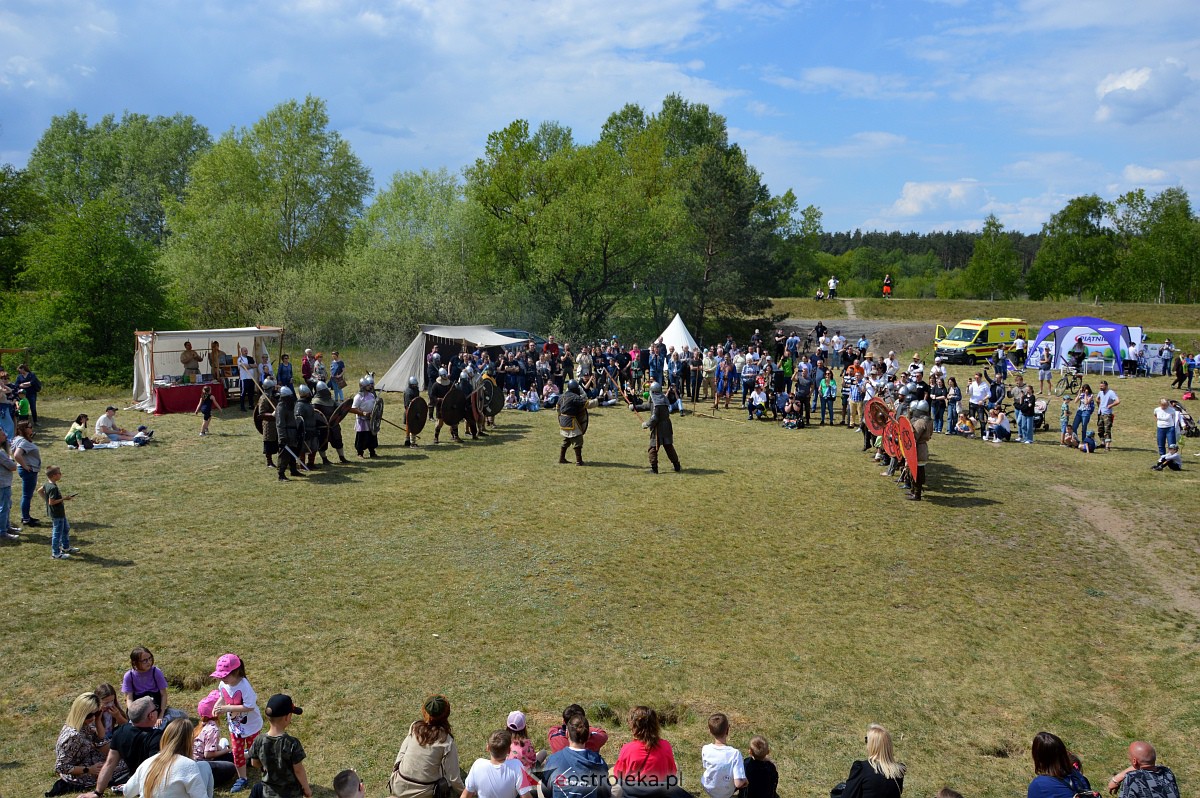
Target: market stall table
<point>184,398</point>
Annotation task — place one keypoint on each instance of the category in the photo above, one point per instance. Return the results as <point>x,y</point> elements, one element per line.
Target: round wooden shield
<point>454,407</point>
<point>322,430</point>
<point>377,415</point>
<point>478,405</point>
<point>340,412</point>
<point>416,415</point>
<point>908,443</point>
<point>876,414</point>
<point>891,439</point>
<point>494,397</point>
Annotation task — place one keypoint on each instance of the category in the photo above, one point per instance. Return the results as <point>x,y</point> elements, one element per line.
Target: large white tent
<point>677,335</point>
<point>157,353</point>
<point>449,340</point>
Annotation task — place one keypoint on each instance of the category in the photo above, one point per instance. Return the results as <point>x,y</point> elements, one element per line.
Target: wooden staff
<point>622,394</point>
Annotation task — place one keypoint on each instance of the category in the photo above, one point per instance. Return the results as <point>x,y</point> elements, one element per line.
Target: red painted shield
<point>891,442</point>
<point>877,414</point>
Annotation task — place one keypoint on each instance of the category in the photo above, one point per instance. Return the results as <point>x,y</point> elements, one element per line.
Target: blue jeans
<point>826,407</point>
<point>1025,426</point>
<point>337,393</point>
<point>1079,425</point>
<point>1166,436</point>
<point>28,486</point>
<point>939,417</point>
<point>5,508</point>
<point>60,536</point>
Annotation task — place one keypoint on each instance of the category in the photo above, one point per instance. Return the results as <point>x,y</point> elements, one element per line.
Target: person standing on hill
<point>1106,400</point>
<point>887,286</point>
<point>833,286</point>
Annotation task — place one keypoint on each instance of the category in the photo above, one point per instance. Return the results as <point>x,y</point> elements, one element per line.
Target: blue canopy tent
<point>1102,338</point>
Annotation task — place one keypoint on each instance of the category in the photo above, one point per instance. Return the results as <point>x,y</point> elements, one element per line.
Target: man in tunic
<point>659,424</point>
<point>573,420</point>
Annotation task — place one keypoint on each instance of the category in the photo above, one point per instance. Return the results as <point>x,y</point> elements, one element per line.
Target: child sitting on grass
<point>1172,459</point>
<point>498,776</point>
<point>761,774</point>
<point>724,769</point>
<point>279,755</point>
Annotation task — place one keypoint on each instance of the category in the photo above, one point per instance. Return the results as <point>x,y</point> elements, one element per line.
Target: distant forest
<point>953,250</point>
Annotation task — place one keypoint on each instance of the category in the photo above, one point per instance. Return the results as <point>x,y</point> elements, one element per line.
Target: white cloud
<point>852,83</point>
<point>867,144</point>
<point>1144,175</point>
<point>919,198</point>
<point>1135,94</point>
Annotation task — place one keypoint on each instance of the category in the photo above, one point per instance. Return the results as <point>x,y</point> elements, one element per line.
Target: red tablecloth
<point>184,398</point>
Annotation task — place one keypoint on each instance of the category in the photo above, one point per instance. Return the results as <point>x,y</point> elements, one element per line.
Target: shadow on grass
<point>602,464</point>
<point>10,765</point>
<point>949,487</point>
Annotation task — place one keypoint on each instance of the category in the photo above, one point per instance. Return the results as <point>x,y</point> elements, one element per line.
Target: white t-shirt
<point>978,392</point>
<point>833,283</point>
<point>1165,418</point>
<point>105,425</point>
<point>490,780</point>
<point>187,778</point>
<point>242,694</point>
<point>722,765</point>
<point>1104,399</point>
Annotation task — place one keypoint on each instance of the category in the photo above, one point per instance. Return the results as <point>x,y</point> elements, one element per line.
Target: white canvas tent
<point>677,335</point>
<point>157,353</point>
<point>411,362</point>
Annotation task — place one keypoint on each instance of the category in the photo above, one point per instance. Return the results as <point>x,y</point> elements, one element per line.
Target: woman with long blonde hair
<point>879,775</point>
<point>80,751</point>
<point>172,773</point>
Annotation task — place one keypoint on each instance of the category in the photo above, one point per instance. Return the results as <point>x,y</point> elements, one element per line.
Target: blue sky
<point>917,115</point>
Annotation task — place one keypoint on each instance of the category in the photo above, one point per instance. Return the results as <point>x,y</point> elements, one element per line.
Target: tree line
<point>150,223</point>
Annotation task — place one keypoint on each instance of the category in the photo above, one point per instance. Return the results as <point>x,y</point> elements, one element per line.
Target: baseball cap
<point>516,721</point>
<point>226,664</point>
<point>205,707</point>
<point>279,705</point>
<point>110,407</point>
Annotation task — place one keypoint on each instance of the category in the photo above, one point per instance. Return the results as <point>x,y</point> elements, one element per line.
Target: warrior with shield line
<point>266,421</point>
<point>287,433</point>
<point>327,407</point>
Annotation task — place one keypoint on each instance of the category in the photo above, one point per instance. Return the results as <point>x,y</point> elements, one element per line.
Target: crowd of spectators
<point>157,751</point>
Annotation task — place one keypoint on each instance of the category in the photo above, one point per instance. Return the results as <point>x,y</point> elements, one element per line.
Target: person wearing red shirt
<point>557,738</point>
<point>646,765</point>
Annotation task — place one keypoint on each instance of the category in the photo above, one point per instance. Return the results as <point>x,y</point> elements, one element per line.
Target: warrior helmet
<point>268,384</point>
<point>321,386</point>
<point>655,387</point>
<point>906,390</point>
<point>304,391</point>
<point>285,393</point>
<point>412,381</point>
<point>437,358</point>
<point>441,372</point>
<point>366,382</point>
<point>573,386</point>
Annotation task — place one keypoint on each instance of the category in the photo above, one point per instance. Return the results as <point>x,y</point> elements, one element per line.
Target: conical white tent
<point>411,362</point>
<point>677,335</point>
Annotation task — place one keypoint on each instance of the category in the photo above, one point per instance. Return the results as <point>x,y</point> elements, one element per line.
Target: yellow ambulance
<point>972,340</point>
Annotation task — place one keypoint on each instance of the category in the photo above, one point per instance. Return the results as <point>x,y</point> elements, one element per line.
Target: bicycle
<point>1069,383</point>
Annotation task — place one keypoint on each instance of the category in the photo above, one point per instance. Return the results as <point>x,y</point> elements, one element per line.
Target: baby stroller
<point>1190,430</point>
<point>1039,414</point>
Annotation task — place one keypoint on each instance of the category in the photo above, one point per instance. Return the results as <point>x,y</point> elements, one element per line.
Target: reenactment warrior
<point>489,386</point>
<point>411,392</point>
<point>573,420</point>
<point>287,433</point>
<point>659,424</point>
<point>468,387</point>
<point>266,412</point>
<point>327,406</point>
<point>919,414</point>
<point>437,392</point>
<point>306,425</point>
<point>364,402</point>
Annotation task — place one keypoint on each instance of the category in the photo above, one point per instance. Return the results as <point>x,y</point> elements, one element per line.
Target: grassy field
<point>779,578</point>
<point>1153,317</point>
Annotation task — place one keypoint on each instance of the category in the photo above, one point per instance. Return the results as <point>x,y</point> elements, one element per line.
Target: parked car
<point>524,335</point>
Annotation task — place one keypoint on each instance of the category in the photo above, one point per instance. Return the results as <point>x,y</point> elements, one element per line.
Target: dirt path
<point>885,336</point>
<point>1153,559</point>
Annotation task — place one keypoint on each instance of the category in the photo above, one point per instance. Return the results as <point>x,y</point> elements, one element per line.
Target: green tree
<point>282,195</point>
<point>21,207</point>
<point>1078,251</point>
<point>91,287</point>
<point>139,162</point>
<point>994,270</point>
